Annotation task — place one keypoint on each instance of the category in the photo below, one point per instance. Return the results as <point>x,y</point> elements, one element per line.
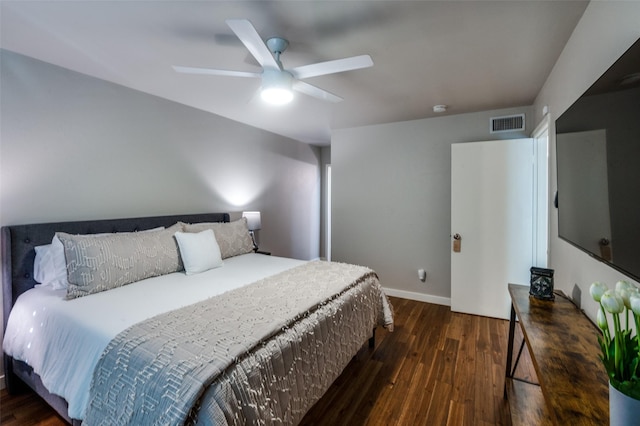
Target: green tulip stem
<point>627,324</point>
<point>618,346</point>
<point>637,321</point>
<point>607,333</point>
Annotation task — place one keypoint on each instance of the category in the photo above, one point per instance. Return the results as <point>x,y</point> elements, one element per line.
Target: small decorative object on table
<point>541,283</point>
<point>620,352</point>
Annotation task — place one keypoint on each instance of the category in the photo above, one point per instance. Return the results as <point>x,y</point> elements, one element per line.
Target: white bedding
<point>63,339</point>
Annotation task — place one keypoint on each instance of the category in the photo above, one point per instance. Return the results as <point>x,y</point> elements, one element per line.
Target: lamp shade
<point>253,220</point>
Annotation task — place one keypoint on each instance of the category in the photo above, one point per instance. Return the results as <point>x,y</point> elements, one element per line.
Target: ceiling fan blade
<point>316,92</point>
<point>248,35</point>
<point>211,71</point>
<point>332,67</point>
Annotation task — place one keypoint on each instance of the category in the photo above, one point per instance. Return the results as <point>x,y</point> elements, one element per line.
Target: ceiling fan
<point>278,82</point>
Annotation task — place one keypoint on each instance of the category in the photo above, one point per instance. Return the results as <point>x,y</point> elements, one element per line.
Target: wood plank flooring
<point>436,368</point>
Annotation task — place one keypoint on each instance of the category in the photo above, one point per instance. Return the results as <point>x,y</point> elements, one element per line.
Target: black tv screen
<point>598,166</point>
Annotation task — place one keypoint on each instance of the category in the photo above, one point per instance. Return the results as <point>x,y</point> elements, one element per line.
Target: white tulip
<point>626,290</point>
<point>625,294</point>
<point>602,319</point>
<point>622,285</point>
<point>597,289</point>
<point>635,302</point>
<point>611,302</point>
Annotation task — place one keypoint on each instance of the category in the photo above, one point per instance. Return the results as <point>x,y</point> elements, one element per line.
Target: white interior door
<point>492,211</point>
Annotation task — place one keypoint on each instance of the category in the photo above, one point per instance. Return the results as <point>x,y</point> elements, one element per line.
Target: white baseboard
<point>420,297</point>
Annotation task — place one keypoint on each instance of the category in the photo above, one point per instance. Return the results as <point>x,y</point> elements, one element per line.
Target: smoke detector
<point>439,108</point>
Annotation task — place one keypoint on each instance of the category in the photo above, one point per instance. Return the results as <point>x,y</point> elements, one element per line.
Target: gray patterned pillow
<point>98,263</point>
<point>232,237</point>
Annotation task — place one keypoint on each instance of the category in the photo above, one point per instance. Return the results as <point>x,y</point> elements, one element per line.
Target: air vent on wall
<point>507,123</point>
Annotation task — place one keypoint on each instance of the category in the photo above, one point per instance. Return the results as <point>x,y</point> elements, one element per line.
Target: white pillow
<point>50,267</point>
<point>199,251</point>
<point>42,263</point>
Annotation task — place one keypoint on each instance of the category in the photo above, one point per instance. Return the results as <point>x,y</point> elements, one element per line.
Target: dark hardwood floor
<point>436,368</point>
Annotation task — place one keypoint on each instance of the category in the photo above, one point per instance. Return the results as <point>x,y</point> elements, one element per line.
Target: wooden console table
<point>564,350</point>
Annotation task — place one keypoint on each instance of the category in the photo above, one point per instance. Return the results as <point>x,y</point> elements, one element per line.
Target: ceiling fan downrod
<point>277,45</point>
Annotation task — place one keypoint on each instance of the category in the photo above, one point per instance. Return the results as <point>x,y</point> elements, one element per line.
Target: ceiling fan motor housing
<point>277,78</point>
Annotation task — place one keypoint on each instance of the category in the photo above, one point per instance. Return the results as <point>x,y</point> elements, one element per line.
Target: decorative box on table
<point>541,283</point>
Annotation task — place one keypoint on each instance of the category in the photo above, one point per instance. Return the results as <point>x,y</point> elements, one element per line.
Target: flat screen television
<point>598,166</point>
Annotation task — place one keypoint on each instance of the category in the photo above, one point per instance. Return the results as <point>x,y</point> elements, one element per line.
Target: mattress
<point>46,331</point>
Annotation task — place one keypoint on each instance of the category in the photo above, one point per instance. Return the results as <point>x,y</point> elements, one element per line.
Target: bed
<point>252,339</point>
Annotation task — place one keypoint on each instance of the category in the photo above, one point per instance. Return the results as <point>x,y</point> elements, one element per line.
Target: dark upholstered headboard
<point>18,242</point>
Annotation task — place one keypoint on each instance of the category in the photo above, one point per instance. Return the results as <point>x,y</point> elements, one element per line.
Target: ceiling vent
<point>507,123</point>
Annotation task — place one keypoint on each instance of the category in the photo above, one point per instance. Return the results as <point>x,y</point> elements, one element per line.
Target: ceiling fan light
<point>276,95</point>
<point>276,87</point>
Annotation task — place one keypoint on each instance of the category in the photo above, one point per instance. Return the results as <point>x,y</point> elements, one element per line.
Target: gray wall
<point>392,198</point>
<point>74,147</point>
<point>604,32</point>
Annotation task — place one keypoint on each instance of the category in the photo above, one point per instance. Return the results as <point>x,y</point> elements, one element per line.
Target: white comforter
<point>63,339</point>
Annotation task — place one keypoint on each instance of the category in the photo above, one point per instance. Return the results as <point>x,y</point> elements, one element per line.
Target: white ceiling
<point>470,55</point>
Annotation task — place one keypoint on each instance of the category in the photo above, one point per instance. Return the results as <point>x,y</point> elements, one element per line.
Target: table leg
<point>512,327</point>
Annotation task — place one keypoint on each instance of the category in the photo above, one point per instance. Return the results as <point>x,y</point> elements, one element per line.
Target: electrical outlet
<point>422,275</point>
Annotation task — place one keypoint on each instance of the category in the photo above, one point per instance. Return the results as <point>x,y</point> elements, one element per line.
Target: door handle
<point>457,243</point>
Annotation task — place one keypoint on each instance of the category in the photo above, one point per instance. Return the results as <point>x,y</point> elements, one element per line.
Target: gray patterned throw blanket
<point>156,372</point>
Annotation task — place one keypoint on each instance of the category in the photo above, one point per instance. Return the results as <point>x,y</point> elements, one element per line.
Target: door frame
<point>541,190</point>
<point>328,213</point>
